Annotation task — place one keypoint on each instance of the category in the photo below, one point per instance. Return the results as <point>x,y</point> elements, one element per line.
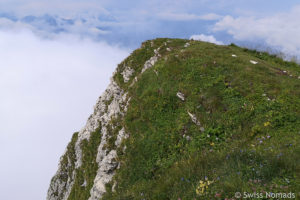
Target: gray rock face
<point>105,157</point>
<point>151,62</point>
<point>127,74</point>
<point>112,104</point>
<point>59,189</point>
<point>102,114</point>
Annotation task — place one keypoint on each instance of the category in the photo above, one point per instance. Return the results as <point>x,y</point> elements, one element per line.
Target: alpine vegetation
<point>185,119</point>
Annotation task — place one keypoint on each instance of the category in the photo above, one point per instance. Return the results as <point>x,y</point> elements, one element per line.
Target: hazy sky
<point>56,58</point>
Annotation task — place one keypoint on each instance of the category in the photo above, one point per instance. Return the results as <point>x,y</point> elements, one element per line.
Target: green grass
<point>249,144</point>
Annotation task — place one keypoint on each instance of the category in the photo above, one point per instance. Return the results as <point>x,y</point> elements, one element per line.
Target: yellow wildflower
<point>267,124</point>
<point>203,186</point>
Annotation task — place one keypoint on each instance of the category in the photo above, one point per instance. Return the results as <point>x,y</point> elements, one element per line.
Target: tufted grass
<point>250,144</point>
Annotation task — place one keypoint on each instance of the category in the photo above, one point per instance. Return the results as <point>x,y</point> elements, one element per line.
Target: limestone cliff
<point>108,113</point>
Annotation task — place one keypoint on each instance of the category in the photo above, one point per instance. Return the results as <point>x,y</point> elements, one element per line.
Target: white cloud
<point>11,25</point>
<point>49,18</point>
<point>48,89</point>
<point>91,27</point>
<point>211,16</point>
<point>66,8</point>
<point>187,17</point>
<point>280,31</point>
<point>206,38</point>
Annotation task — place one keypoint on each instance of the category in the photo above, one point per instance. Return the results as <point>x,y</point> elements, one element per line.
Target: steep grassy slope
<point>188,120</point>
<point>248,131</point>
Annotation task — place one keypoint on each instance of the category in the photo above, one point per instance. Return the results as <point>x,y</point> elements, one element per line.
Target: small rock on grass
<point>253,62</point>
<point>180,96</point>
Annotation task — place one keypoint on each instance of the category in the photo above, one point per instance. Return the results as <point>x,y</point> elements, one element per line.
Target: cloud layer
<point>53,65</point>
<point>48,88</point>
<point>279,31</point>
<point>127,23</point>
<point>65,8</point>
<point>187,17</point>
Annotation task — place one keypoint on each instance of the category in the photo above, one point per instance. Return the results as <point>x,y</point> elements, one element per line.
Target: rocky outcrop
<point>112,104</point>
<point>106,157</point>
<point>110,107</point>
<point>149,63</point>
<point>127,74</point>
<point>62,181</point>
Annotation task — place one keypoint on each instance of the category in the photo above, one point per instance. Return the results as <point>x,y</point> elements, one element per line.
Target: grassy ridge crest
<point>250,114</point>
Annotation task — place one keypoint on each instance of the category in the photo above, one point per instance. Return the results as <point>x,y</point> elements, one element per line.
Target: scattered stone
<point>84,183</point>
<point>264,95</point>
<point>168,49</point>
<point>187,137</point>
<point>194,119</point>
<point>253,62</point>
<point>298,77</point>
<point>180,96</point>
<point>284,72</point>
<point>156,72</point>
<point>187,45</point>
<point>233,55</point>
<point>202,129</point>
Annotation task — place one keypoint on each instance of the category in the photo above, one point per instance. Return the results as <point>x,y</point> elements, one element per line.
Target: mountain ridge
<point>175,103</point>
